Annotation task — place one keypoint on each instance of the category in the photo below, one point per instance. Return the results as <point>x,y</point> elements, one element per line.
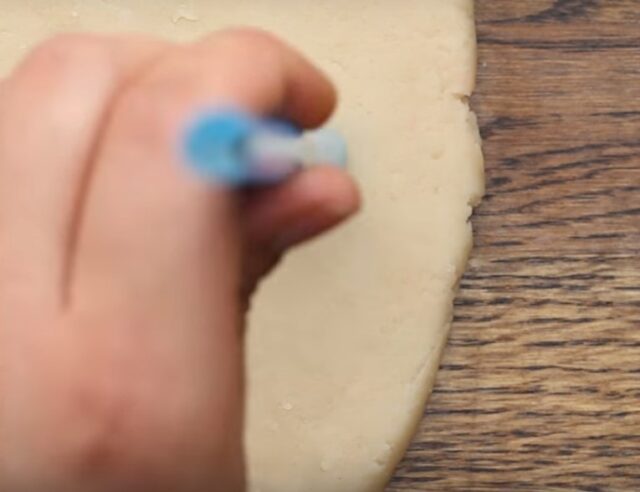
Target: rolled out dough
<point>346,337</point>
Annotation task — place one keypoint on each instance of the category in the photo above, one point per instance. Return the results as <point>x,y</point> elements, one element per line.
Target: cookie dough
<point>346,337</point>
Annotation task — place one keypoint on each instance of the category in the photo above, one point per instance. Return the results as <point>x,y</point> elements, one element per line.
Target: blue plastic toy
<point>234,148</point>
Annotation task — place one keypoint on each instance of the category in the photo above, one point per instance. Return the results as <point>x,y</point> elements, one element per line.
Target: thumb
<point>300,209</point>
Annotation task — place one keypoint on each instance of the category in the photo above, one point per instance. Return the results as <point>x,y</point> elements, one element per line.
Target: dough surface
<point>346,337</point>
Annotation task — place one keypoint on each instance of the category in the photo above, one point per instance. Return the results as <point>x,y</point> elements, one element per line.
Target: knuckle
<point>147,113</point>
<point>64,56</point>
<point>253,41</point>
<point>56,74</point>
<point>252,35</point>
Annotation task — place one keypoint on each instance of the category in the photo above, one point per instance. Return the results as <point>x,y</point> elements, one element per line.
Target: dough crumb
<point>185,14</point>
<point>286,405</point>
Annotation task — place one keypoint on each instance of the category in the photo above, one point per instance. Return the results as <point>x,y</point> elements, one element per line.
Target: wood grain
<point>540,385</point>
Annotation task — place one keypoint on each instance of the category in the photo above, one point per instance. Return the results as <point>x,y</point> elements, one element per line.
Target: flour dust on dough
<point>346,337</point>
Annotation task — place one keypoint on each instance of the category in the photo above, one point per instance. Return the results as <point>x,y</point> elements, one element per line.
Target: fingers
<point>159,202</point>
<point>300,209</point>
<point>52,108</point>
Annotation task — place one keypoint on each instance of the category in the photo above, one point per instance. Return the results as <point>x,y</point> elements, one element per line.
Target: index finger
<point>275,78</point>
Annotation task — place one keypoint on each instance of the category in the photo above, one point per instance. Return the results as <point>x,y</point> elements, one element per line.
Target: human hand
<point>123,278</point>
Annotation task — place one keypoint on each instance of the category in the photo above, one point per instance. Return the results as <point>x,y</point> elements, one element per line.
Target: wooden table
<point>540,386</point>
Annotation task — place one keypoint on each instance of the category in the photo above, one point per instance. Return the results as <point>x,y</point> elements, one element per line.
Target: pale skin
<point>125,279</point>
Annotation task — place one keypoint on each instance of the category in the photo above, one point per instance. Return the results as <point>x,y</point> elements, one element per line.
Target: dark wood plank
<point>540,385</point>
